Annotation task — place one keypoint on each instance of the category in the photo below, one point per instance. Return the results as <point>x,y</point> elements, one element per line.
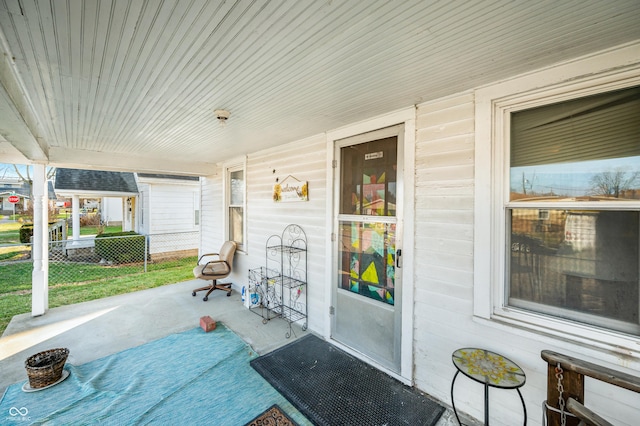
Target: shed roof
<point>95,181</point>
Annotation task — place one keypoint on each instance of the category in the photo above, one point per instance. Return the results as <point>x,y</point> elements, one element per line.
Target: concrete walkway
<point>95,329</point>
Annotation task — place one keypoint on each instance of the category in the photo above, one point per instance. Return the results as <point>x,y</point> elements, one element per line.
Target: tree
<point>25,175</point>
<point>614,182</point>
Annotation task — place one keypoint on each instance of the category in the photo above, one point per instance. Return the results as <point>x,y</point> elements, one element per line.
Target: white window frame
<point>230,167</point>
<point>602,72</point>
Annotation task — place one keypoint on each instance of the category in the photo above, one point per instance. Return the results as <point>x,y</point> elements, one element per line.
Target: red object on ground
<point>207,324</point>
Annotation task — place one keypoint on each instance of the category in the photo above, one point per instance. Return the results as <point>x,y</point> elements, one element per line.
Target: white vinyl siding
<point>212,233</point>
<point>444,244</point>
<point>167,208</point>
<point>173,209</point>
<point>305,160</point>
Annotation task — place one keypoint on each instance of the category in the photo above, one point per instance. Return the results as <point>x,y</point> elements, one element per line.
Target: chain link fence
<point>98,258</point>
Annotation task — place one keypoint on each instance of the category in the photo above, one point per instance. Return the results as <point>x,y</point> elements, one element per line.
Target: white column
<point>40,249</point>
<point>126,221</point>
<point>75,214</point>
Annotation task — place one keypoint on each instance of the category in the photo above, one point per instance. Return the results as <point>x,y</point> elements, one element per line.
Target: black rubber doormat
<point>331,387</point>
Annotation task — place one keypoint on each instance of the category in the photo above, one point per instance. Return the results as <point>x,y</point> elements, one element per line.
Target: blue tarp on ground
<point>193,378</point>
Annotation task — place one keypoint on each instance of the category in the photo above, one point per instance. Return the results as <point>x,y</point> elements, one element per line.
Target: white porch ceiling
<point>132,85</point>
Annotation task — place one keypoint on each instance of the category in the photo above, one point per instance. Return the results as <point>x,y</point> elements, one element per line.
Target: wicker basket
<point>45,368</point>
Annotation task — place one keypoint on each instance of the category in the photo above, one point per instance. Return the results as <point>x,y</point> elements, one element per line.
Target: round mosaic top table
<point>491,370</point>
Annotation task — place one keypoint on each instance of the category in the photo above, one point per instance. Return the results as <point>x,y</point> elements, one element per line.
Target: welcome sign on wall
<point>290,190</point>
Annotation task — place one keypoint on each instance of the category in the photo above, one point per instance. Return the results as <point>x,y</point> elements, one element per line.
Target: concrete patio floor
<point>95,329</point>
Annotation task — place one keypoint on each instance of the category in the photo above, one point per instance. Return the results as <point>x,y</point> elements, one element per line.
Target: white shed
<point>169,212</point>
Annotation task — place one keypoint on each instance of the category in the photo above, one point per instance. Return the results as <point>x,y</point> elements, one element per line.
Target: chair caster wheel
<point>205,298</point>
<point>228,294</point>
<point>193,294</point>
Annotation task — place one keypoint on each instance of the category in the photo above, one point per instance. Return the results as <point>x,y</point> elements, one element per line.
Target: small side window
<point>236,206</point>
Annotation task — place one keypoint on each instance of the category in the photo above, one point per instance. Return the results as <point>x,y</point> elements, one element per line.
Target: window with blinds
<point>573,215</point>
<point>587,147</point>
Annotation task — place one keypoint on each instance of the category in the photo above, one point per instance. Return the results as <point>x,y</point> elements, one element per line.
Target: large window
<point>557,202</point>
<point>572,213</point>
<point>236,206</point>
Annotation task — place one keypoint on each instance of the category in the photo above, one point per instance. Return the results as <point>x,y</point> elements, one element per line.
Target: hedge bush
<point>26,232</point>
<point>128,249</point>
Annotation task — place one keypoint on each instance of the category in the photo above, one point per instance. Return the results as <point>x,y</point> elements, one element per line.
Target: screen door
<point>367,311</point>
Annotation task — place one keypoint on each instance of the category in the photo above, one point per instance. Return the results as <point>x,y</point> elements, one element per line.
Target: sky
<point>571,179</point>
<point>9,171</point>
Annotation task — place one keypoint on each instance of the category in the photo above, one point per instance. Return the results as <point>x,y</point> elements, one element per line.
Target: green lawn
<point>74,283</point>
<point>96,282</point>
<point>10,232</point>
<point>93,230</point>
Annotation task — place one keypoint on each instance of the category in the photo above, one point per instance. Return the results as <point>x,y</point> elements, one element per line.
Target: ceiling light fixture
<point>222,115</point>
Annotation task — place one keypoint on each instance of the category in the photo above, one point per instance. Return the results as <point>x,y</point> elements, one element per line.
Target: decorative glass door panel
<point>367,259</point>
<point>367,314</point>
<point>369,178</point>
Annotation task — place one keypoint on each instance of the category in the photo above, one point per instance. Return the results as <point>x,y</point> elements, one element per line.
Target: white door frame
<point>407,117</point>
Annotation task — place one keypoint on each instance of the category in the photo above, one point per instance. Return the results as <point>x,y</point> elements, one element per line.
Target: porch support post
<point>75,214</point>
<point>40,248</point>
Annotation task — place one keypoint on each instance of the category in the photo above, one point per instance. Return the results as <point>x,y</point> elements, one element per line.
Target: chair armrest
<point>206,255</point>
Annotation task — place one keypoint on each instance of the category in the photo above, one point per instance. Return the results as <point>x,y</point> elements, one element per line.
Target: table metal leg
<point>453,404</point>
<point>486,404</point>
<point>524,407</point>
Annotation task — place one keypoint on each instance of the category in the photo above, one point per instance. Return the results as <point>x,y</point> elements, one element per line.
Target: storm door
<point>366,303</point>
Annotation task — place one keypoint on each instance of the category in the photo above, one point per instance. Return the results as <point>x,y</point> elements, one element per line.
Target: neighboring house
<point>111,210</point>
<point>169,210</point>
<point>10,187</point>
<point>165,207</point>
<point>20,188</point>
<point>76,183</point>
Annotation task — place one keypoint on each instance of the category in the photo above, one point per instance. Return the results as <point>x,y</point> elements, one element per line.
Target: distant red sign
<point>13,199</point>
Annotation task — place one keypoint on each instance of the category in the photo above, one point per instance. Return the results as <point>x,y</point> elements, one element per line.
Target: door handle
<point>399,258</point>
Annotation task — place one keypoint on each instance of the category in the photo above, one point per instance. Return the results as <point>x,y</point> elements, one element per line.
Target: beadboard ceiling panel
<point>132,84</point>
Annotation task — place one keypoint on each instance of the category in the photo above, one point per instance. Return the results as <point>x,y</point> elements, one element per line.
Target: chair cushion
<point>218,268</point>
